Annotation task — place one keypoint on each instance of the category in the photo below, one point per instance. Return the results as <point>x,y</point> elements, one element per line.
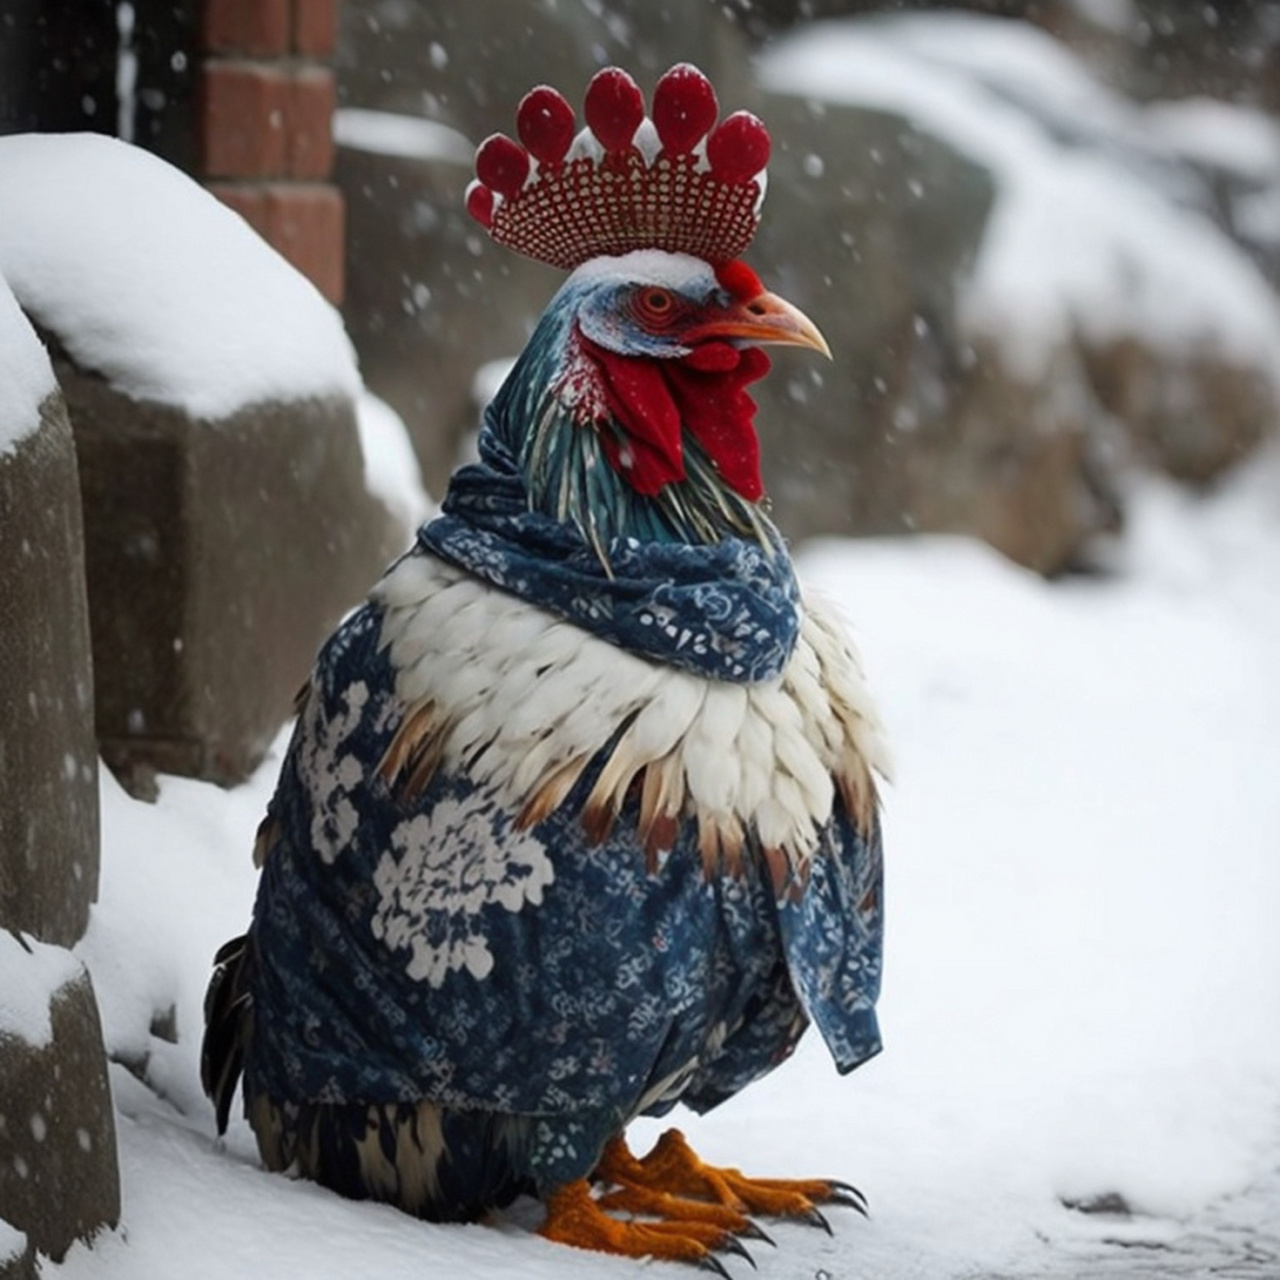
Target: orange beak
<point>764,318</point>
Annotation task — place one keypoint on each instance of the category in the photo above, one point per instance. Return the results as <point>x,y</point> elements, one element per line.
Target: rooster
<point>579,817</point>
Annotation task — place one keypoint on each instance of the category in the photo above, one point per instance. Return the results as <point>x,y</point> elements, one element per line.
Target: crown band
<point>677,181</point>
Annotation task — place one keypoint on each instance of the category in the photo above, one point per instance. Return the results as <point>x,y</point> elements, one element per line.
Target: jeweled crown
<point>676,181</point>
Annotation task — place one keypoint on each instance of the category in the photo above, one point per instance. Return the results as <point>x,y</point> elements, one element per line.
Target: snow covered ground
<point>1083,976</point>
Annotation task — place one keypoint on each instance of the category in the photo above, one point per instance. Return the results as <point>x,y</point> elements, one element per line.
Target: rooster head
<point>628,410</point>
<point>637,373</point>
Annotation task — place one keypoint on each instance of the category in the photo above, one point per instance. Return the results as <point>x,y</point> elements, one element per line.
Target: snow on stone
<point>1219,135</point>
<point>147,279</point>
<point>391,470</point>
<point>1081,239</point>
<point>389,133</point>
<point>13,1243</point>
<point>31,974</point>
<point>26,376</point>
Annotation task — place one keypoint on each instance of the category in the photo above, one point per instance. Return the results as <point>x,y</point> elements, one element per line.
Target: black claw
<point>816,1218</point>
<point>847,1187</point>
<point>733,1245</point>
<point>754,1231</point>
<point>710,1262</point>
<point>848,1199</point>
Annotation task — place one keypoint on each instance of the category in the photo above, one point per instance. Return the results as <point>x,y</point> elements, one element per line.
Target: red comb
<point>677,182</point>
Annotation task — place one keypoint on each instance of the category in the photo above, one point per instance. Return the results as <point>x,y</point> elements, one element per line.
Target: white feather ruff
<point>525,700</point>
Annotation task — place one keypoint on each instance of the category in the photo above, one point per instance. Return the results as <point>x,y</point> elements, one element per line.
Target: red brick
<point>309,131</point>
<point>243,115</point>
<point>249,200</point>
<point>257,28</point>
<point>306,222</point>
<point>315,27</point>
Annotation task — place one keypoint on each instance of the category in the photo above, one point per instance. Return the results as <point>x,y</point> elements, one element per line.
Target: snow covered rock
<point>917,424</point>
<point>59,1180</point>
<point>212,392</point>
<point>48,761</point>
<point>1019,262</point>
<point>16,1259</point>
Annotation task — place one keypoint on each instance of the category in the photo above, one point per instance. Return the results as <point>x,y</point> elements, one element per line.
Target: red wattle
<point>652,454</point>
<point>717,411</point>
<point>705,393</point>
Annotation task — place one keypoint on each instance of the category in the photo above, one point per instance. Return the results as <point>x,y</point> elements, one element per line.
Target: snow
<point>391,470</point>
<point>1244,141</point>
<point>13,1243</point>
<point>148,279</point>
<point>1090,239</point>
<point>26,376</point>
<point>31,975</point>
<point>406,137</point>
<point>1083,970</point>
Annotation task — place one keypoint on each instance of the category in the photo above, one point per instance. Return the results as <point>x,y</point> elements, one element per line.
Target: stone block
<point>59,1180</point>
<point>219,556</point>
<point>48,758</point>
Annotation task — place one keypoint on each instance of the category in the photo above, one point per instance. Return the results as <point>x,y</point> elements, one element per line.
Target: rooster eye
<point>655,304</point>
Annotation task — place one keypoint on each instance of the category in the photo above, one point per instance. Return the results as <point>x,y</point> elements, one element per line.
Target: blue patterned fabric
<point>430,950</point>
<point>728,611</point>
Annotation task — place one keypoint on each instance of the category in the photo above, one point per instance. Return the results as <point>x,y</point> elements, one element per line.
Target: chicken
<point>579,818</point>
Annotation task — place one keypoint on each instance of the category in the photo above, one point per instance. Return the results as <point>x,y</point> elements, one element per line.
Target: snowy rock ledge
<point>59,1180</point>
<point>151,283</point>
<point>16,1262</point>
<point>228,514</point>
<point>48,757</point>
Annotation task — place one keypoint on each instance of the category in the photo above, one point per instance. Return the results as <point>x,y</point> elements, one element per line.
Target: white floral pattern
<point>331,773</point>
<point>448,865</point>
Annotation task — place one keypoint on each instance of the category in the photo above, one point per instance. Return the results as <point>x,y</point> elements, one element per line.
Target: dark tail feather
<point>228,1024</point>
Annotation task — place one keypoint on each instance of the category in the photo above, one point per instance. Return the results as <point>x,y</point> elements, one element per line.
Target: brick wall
<point>264,112</point>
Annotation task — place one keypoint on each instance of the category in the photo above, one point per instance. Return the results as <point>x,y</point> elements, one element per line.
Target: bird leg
<point>575,1217</point>
<point>674,1172</point>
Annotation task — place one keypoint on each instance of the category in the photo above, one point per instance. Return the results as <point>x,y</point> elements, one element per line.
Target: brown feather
<point>779,866</point>
<point>708,845</point>
<point>550,792</point>
<point>423,762</point>
<point>413,728</point>
<point>268,834</point>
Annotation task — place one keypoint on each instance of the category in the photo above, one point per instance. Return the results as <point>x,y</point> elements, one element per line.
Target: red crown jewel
<point>677,181</point>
